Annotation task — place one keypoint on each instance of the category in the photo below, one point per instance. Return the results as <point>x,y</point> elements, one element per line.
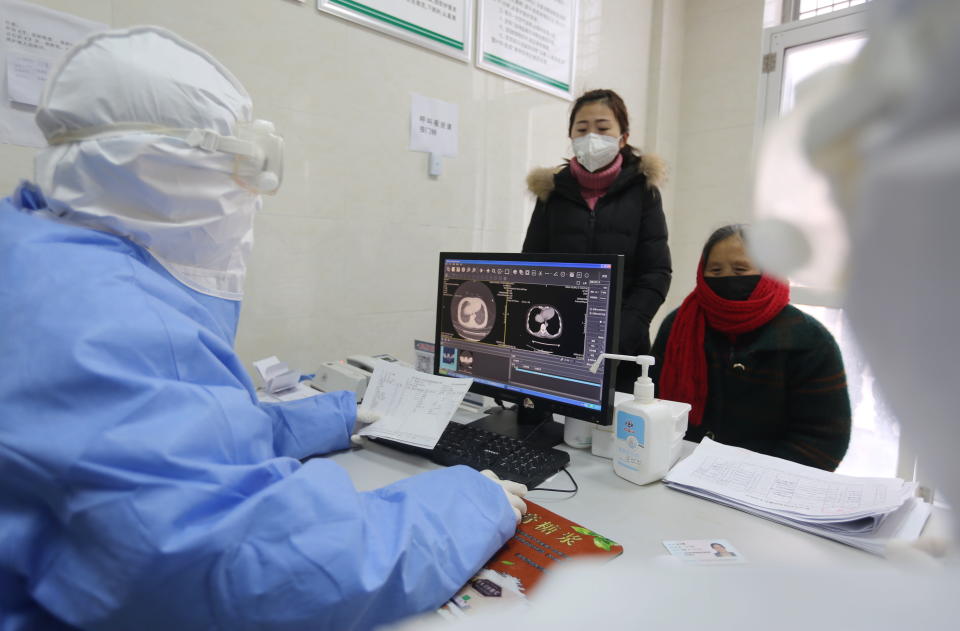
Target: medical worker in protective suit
<point>142,486</point>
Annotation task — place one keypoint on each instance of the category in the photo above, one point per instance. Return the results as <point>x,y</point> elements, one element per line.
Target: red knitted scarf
<point>683,376</point>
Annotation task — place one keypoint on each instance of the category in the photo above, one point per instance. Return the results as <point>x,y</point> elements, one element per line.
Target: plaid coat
<point>779,390</point>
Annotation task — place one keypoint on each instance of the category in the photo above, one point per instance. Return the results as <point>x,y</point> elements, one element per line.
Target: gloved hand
<point>364,418</point>
<point>513,491</point>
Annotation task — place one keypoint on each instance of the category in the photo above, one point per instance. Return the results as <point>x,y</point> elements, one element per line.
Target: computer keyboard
<point>510,458</point>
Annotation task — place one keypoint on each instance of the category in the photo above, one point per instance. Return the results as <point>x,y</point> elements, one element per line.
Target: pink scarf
<point>594,185</point>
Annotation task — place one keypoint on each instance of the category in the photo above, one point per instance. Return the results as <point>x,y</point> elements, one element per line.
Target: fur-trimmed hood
<point>540,180</point>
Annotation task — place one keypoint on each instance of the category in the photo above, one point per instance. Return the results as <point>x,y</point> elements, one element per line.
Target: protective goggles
<point>256,147</point>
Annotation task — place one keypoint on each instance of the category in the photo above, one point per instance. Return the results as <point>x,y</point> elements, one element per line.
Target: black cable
<point>573,490</point>
<point>546,419</point>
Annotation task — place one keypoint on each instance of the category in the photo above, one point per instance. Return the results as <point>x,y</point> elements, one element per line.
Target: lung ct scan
<point>547,318</point>
<point>473,310</point>
<point>545,322</point>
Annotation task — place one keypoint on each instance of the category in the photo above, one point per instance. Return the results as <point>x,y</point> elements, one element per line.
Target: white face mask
<point>594,151</point>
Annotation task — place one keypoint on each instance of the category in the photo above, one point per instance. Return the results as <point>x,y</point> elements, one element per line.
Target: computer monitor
<point>526,328</point>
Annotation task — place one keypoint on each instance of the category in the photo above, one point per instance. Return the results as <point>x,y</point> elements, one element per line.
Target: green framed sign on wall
<point>445,26</point>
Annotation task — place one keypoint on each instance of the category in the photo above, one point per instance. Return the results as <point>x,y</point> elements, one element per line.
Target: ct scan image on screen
<point>526,327</point>
<point>547,318</point>
<point>465,363</point>
<point>448,358</point>
<point>474,311</point>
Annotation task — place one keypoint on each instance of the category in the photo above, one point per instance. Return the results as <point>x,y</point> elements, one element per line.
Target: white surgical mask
<point>594,151</point>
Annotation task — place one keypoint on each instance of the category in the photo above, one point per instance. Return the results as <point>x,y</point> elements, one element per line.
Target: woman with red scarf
<point>759,373</point>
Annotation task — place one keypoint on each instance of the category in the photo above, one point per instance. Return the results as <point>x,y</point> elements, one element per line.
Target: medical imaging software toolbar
<point>529,327</point>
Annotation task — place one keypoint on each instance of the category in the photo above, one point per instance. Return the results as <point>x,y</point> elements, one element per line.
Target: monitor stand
<point>532,425</point>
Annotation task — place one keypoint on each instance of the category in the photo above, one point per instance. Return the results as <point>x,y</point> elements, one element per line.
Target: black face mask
<point>733,287</point>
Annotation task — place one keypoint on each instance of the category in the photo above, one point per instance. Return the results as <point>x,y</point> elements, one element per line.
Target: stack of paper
<point>866,513</point>
<point>276,375</point>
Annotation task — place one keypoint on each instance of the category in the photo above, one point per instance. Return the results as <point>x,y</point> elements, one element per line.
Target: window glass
<point>813,8</point>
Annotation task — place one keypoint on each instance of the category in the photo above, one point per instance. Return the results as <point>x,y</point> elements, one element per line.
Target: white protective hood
<point>180,202</point>
<point>884,132</point>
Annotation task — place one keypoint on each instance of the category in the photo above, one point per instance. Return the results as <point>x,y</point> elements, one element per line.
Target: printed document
<point>414,407</point>
<point>865,513</point>
<point>785,487</point>
<point>34,40</point>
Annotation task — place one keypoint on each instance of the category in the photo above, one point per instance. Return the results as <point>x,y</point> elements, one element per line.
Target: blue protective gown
<point>142,486</point>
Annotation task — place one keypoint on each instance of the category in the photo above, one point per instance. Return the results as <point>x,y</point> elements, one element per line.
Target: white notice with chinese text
<point>433,125</point>
<point>34,39</point>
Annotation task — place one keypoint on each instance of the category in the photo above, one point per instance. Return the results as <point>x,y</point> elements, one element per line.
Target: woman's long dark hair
<point>612,100</point>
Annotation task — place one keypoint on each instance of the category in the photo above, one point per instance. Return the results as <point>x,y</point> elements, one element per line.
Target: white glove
<point>364,418</point>
<point>513,490</point>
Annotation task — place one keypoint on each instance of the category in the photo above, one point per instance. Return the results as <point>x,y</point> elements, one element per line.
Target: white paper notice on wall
<point>434,125</point>
<point>25,78</point>
<point>34,39</point>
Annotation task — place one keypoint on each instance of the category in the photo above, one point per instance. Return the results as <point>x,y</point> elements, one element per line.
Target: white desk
<point>638,517</point>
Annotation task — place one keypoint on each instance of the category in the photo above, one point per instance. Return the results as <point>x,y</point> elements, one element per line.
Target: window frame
<point>790,11</point>
<point>776,40</point>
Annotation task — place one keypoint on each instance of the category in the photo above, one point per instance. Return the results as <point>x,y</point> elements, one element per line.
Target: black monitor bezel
<point>602,416</point>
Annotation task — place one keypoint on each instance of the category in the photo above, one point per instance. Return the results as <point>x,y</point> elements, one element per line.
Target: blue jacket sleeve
<point>141,485</point>
<point>315,425</point>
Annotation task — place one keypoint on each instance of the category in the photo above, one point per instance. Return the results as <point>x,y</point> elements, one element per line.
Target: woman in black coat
<point>605,201</point>
<point>759,373</point>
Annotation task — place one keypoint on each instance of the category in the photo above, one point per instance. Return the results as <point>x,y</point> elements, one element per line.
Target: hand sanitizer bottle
<point>648,432</point>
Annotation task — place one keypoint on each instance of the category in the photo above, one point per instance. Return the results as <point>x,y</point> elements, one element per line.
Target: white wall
<point>716,116</point>
<point>345,255</point>
<point>665,81</point>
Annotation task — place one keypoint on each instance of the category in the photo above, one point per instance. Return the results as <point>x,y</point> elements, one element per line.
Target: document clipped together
<point>865,513</point>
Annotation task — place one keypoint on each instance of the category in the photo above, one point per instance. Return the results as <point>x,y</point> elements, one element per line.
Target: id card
<point>704,551</point>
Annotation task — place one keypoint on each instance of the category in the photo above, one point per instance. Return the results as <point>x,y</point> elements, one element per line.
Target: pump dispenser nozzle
<point>643,387</point>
